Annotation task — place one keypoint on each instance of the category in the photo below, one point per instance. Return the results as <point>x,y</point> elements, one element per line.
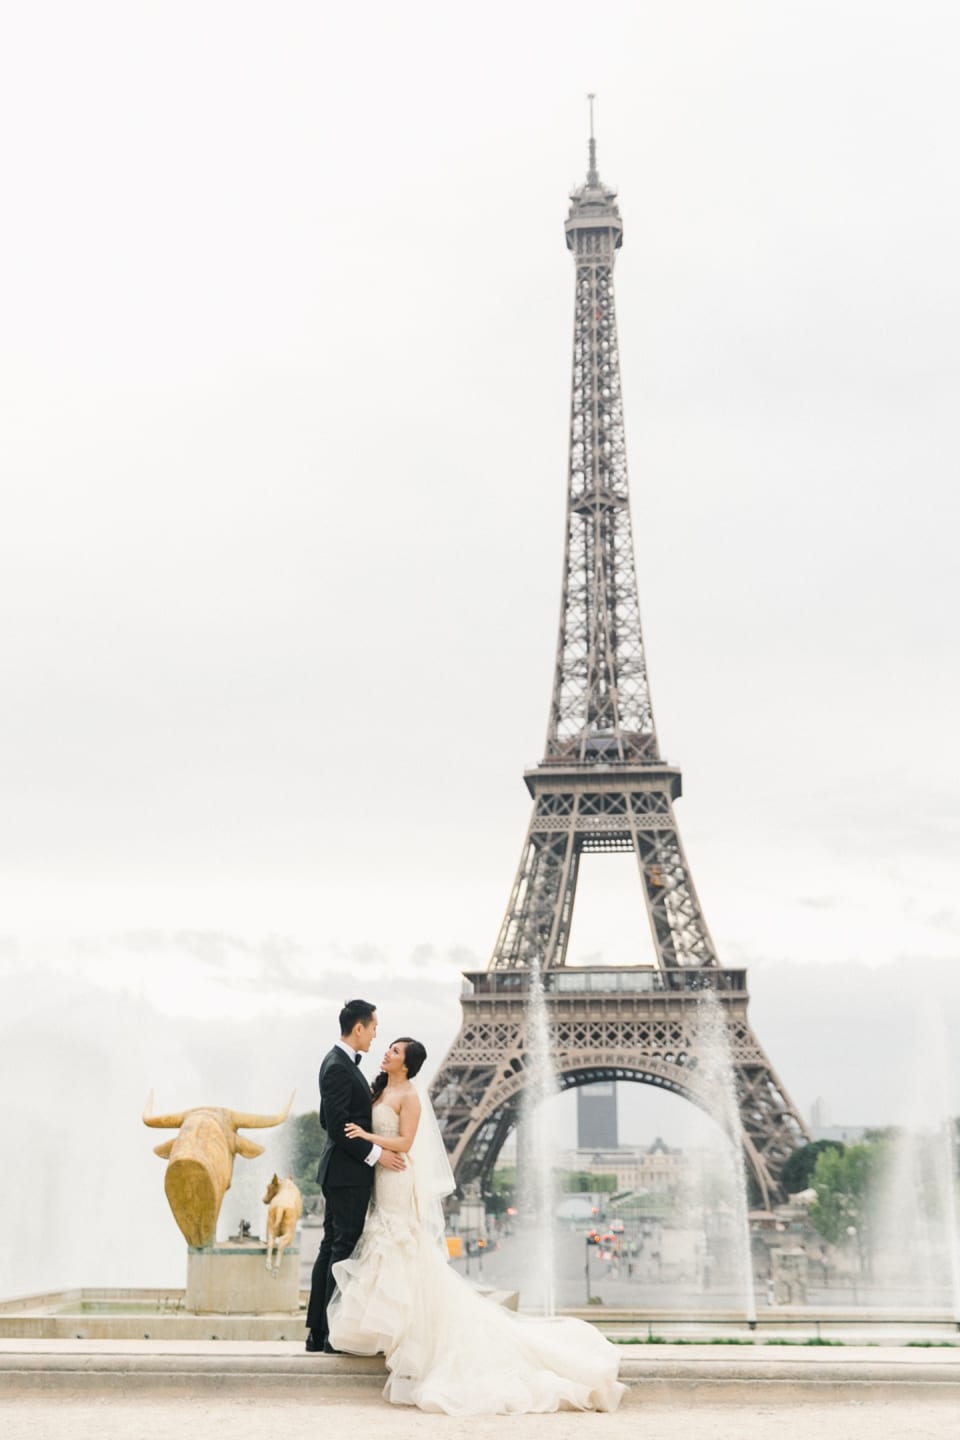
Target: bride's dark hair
<point>413,1058</point>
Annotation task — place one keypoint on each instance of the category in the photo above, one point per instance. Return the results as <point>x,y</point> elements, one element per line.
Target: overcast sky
<point>285,327</point>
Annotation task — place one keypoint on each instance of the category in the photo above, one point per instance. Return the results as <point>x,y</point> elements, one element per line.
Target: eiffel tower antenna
<point>592,177</point>
<point>602,787</point>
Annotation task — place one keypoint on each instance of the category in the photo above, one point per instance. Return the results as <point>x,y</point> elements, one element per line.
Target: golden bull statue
<point>200,1158</point>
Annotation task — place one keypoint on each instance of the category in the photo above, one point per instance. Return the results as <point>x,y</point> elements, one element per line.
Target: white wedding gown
<point>447,1348</point>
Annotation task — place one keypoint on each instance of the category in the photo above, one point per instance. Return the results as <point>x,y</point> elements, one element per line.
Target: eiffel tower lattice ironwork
<point>602,786</point>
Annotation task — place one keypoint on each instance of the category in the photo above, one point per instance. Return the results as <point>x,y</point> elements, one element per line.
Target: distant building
<point>654,1168</point>
<point>846,1134</point>
<point>820,1117</point>
<point>597,1117</point>
<point>823,1128</point>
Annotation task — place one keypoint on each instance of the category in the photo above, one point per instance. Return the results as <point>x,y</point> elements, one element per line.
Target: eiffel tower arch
<point>602,787</point>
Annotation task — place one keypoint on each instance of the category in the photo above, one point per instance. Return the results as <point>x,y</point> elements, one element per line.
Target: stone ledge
<point>166,1369</point>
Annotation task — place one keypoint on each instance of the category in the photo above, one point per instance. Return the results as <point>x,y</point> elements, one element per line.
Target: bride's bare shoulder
<point>411,1100</point>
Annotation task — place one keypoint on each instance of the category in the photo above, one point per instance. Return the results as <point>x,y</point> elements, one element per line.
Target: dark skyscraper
<point>597,1117</point>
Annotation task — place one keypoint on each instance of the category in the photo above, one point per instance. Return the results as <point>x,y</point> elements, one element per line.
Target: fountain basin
<point>232,1279</point>
<point>96,1313</point>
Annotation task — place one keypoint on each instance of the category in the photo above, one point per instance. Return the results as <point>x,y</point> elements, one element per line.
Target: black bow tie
<point>356,1058</point>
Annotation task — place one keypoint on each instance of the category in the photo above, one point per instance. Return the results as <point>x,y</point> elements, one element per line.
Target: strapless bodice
<point>386,1121</point>
<point>393,1189</point>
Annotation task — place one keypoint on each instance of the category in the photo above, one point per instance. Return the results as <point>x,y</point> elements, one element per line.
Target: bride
<point>447,1348</point>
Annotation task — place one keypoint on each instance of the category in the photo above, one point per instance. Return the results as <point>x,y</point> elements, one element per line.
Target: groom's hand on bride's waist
<point>390,1161</point>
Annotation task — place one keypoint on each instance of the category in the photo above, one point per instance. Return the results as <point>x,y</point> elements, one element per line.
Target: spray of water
<point>538,1159</point>
<point>949,1153</point>
<point>916,1240</point>
<point>947,1166</point>
<point>903,1224</point>
<point>244,1199</point>
<point>716,1070</point>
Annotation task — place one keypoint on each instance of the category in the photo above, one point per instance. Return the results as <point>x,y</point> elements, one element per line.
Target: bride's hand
<point>353,1132</point>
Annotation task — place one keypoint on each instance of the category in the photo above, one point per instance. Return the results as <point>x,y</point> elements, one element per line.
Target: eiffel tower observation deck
<point>602,786</point>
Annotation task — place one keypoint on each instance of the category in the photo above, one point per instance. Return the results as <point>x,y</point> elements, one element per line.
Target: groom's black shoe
<point>314,1345</point>
<point>329,1350</point>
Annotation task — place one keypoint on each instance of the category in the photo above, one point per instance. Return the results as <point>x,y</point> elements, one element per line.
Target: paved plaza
<point>862,1417</point>
<point>151,1390</point>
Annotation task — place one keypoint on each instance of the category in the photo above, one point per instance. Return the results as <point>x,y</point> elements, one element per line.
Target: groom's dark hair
<point>353,1011</point>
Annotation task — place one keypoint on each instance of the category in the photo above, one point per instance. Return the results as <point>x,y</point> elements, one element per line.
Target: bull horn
<point>240,1120</point>
<point>162,1122</point>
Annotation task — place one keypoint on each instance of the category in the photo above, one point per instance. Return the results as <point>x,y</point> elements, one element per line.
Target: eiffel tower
<point>602,787</point>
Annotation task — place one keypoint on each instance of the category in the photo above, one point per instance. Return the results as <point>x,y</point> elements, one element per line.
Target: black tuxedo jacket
<point>344,1096</point>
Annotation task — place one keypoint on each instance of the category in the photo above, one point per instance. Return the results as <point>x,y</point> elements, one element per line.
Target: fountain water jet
<point>947,1160</point>
<point>915,1239</point>
<point>536,1151</point>
<point>715,1068</point>
<point>953,1232</point>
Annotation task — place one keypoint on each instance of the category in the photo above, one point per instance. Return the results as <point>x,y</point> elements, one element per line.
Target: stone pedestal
<point>233,1280</point>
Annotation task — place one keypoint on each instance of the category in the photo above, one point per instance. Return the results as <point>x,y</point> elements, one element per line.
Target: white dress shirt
<point>347,1049</point>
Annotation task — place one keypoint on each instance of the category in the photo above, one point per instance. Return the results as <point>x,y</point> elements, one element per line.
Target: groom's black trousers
<point>343,1219</point>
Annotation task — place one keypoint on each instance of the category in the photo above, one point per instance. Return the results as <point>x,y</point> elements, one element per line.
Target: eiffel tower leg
<point>478,1092</point>
<point>772,1128</point>
<point>536,925</point>
<point>677,922</point>
<point>475,1090</point>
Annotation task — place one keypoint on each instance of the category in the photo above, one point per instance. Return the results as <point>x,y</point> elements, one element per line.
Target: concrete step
<point>662,1372</point>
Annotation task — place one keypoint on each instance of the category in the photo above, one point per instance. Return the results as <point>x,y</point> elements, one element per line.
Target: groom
<point>346,1166</point>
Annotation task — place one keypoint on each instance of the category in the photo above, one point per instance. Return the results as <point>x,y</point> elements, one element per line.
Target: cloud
<point>946,919</point>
